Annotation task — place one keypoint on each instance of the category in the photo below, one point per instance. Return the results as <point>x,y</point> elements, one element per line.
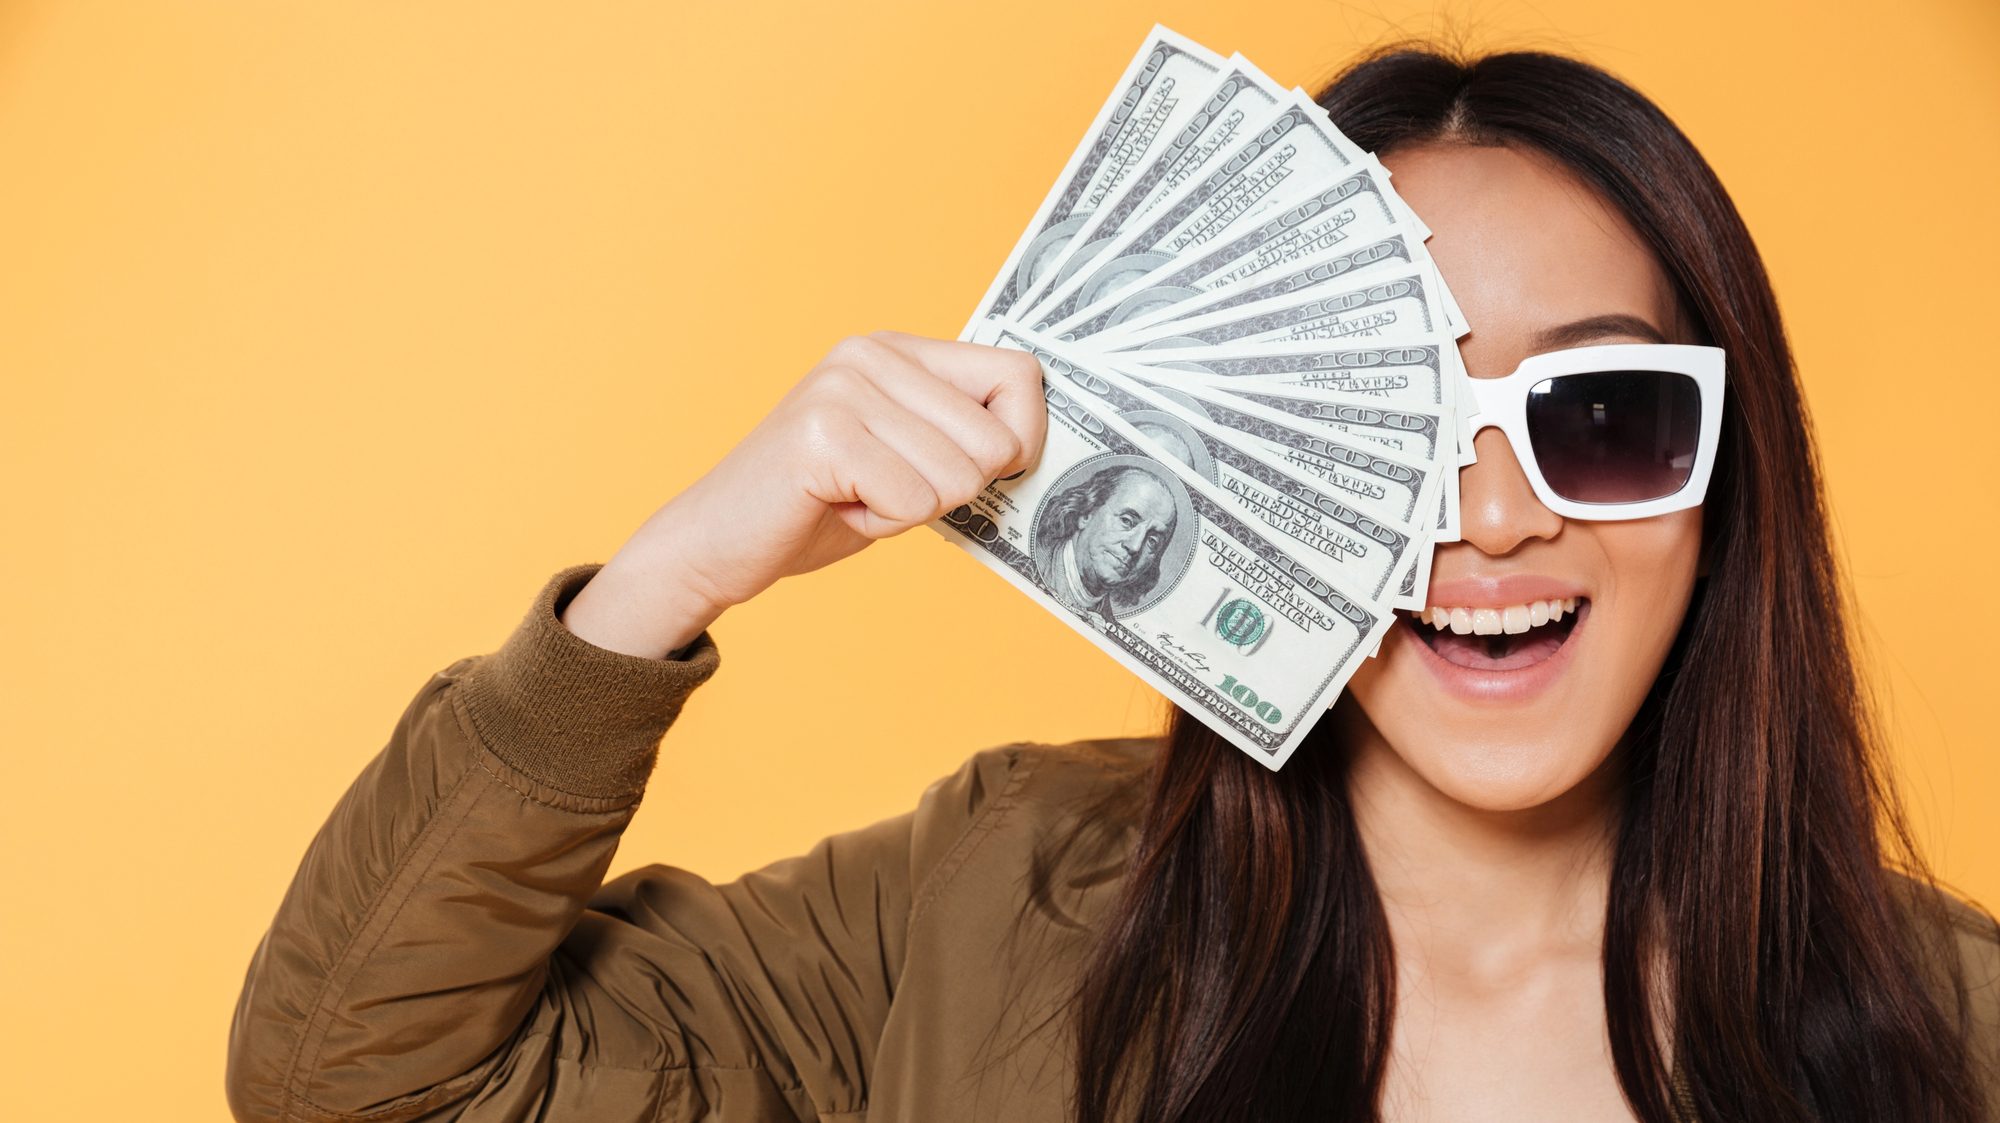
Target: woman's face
<point>1539,262</point>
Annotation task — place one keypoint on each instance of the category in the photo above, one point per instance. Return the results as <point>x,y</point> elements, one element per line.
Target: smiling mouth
<point>1505,638</point>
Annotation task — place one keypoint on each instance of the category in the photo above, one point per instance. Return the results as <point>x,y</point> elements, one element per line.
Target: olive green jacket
<point>449,949</point>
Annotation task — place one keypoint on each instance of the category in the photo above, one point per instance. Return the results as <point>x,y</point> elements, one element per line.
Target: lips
<point>1507,638</point>
<point>1484,663</point>
<point>1118,562</point>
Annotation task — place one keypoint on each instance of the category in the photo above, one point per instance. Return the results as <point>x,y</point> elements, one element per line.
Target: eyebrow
<point>1596,327</point>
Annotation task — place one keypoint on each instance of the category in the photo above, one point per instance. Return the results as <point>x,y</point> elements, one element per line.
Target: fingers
<point>899,467</point>
<point>905,427</point>
<point>985,439</point>
<point>1007,382</point>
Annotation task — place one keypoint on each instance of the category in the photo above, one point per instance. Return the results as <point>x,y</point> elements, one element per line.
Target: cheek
<point>1652,567</point>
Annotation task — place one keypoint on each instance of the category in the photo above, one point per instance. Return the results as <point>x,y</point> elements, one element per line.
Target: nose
<point>1498,510</point>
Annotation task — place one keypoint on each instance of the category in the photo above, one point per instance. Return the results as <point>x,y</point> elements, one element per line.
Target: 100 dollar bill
<point>1157,568</point>
<point>1406,369</point>
<point>1362,554</point>
<point>1403,304</point>
<point>1352,212</point>
<point>1409,369</point>
<point>1159,90</point>
<point>1297,142</point>
<point>1243,99</point>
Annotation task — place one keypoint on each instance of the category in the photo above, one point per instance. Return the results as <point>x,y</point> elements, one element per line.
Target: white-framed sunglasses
<point>1613,431</point>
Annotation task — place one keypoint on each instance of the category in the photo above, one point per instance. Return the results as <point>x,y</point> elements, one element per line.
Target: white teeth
<point>1511,619</point>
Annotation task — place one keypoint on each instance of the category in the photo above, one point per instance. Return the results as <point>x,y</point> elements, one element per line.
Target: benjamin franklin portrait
<point>1113,535</point>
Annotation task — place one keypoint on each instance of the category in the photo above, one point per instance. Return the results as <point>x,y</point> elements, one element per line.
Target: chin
<point>1497,772</point>
<point>1495,750</point>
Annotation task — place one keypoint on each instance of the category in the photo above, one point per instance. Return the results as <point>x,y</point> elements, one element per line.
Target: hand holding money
<point>887,432</point>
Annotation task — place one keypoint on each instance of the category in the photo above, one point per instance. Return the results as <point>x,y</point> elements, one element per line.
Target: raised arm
<point>435,956</point>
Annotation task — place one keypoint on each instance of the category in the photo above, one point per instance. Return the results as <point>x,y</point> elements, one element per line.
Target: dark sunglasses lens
<point>1621,436</point>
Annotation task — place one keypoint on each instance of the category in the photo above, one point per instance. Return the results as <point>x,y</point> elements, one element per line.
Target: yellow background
<point>329,331</point>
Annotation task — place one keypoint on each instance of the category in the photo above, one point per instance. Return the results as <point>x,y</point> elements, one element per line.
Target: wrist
<point>644,602</point>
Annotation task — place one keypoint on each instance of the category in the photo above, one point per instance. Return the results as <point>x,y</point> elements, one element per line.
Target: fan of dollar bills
<point>1252,376</point>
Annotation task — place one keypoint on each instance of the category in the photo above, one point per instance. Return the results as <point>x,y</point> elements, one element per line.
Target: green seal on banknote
<point>1240,623</point>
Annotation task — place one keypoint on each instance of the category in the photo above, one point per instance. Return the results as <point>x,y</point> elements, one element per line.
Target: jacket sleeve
<point>447,949</point>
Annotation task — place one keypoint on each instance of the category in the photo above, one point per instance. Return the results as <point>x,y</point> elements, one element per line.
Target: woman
<point>1635,876</point>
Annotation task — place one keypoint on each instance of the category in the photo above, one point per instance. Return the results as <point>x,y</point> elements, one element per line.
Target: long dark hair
<point>1245,971</point>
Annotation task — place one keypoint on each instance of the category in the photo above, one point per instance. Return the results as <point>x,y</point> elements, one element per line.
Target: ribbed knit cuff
<point>580,718</point>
